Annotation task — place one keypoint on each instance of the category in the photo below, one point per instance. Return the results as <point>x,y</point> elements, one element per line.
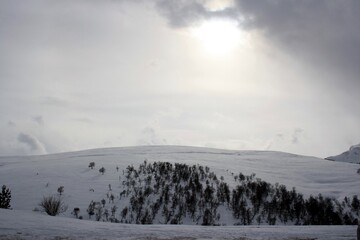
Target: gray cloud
<point>296,135</point>
<point>84,120</point>
<point>11,124</point>
<point>275,140</point>
<point>149,136</point>
<point>321,32</point>
<point>82,61</point>
<point>32,142</point>
<point>54,101</point>
<point>323,28</point>
<point>182,13</point>
<point>38,119</point>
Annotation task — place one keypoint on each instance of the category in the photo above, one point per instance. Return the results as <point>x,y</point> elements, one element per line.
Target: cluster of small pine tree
<point>259,201</point>
<point>168,193</point>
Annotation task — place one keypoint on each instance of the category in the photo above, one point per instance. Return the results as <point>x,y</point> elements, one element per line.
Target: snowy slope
<point>22,225</point>
<point>351,156</point>
<point>31,177</point>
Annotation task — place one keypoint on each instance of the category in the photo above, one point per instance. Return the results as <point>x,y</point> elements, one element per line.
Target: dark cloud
<point>32,142</point>
<point>325,30</point>
<point>182,13</point>
<point>324,33</point>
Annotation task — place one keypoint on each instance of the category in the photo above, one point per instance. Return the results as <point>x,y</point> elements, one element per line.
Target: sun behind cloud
<point>218,36</point>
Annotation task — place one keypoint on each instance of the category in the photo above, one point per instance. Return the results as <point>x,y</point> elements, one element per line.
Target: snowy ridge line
<point>350,156</point>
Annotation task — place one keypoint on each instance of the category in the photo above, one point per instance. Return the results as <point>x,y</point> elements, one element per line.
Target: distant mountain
<point>351,156</point>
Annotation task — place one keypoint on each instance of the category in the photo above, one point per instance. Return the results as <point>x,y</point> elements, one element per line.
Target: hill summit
<point>351,156</point>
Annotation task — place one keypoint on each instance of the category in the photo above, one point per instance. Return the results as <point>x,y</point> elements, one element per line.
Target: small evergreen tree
<point>98,212</point>
<point>91,209</point>
<point>76,212</point>
<point>103,202</point>
<point>208,219</point>
<point>92,165</point>
<point>113,211</point>
<point>102,170</point>
<point>5,197</point>
<point>60,190</point>
<point>355,204</point>
<point>112,197</point>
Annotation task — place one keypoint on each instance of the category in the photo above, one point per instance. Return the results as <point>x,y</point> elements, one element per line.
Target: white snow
<point>32,177</point>
<point>27,225</point>
<point>351,156</point>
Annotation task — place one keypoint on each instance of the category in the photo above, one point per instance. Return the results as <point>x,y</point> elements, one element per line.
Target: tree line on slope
<point>168,193</point>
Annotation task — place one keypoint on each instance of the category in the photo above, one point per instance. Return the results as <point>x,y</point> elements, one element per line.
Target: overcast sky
<point>278,75</point>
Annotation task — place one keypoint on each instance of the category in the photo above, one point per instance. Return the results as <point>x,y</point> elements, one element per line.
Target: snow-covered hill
<point>31,177</point>
<point>351,156</point>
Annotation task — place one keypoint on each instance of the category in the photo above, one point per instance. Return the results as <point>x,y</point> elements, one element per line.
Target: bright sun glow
<point>218,36</point>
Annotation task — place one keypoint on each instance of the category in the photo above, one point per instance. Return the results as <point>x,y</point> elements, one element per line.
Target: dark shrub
<point>5,197</point>
<point>52,205</point>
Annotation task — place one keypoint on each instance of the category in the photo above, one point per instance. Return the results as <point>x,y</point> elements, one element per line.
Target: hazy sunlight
<point>218,36</point>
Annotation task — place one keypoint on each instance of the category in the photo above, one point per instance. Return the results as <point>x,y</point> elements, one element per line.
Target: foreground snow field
<point>28,225</point>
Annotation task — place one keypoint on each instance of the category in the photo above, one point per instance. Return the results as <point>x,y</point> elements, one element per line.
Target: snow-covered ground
<point>27,225</point>
<point>351,156</point>
<point>32,177</point>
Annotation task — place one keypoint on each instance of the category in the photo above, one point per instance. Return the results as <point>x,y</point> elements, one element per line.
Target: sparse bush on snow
<point>53,205</point>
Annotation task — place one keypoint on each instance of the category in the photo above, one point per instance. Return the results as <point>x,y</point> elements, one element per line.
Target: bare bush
<point>52,205</point>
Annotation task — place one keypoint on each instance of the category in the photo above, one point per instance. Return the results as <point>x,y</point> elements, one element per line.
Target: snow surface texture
<point>23,225</point>
<point>32,177</point>
<point>351,156</point>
